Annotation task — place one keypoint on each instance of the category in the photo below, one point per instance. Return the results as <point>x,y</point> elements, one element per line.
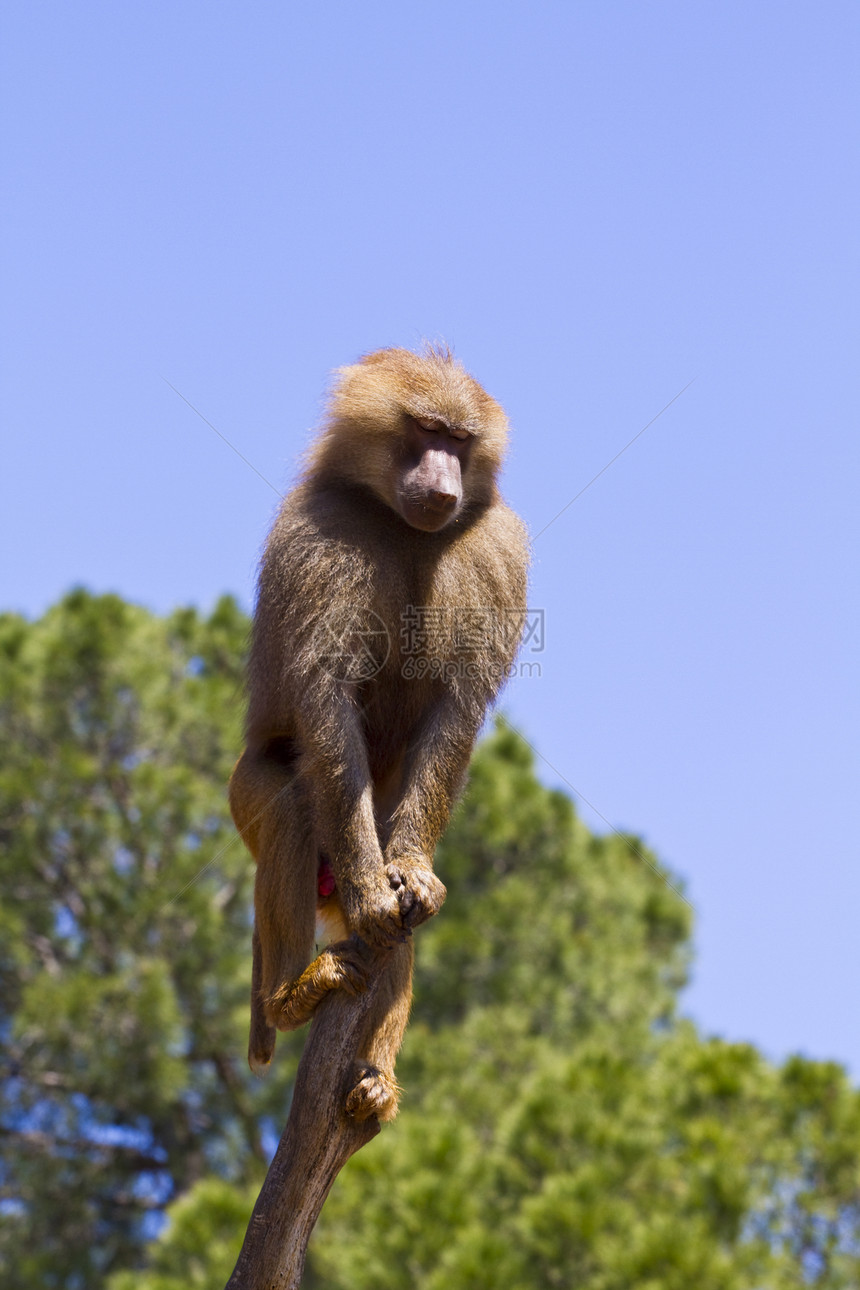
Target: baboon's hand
<point>419,892</point>
<point>375,915</point>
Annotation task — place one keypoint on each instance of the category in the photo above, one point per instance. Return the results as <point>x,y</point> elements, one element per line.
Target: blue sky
<point>595,204</point>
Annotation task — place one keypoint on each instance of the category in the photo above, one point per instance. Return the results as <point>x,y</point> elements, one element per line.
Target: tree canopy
<point>562,1125</point>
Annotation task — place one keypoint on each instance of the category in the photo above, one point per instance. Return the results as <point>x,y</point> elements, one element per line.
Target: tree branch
<point>317,1142</point>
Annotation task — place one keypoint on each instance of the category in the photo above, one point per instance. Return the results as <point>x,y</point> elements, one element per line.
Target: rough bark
<point>318,1140</point>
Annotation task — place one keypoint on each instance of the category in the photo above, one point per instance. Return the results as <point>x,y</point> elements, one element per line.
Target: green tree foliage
<point>561,1125</point>
<point>123,931</point>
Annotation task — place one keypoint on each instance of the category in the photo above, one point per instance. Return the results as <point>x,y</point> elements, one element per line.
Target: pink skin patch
<point>325,879</point>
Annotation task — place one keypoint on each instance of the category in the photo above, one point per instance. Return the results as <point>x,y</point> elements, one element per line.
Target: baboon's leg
<point>273,815</point>
<point>376,1090</point>
<point>273,818</point>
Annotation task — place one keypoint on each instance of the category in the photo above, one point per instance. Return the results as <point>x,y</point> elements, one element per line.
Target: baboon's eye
<point>457,433</point>
<point>429,423</point>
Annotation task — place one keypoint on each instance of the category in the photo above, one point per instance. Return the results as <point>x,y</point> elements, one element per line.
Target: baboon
<point>390,605</point>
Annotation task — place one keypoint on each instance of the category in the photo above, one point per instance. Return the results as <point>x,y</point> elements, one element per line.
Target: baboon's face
<point>428,483</point>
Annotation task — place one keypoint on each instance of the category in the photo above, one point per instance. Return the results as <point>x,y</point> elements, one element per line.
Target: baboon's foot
<point>374,1093</point>
<point>348,967</point>
<point>342,966</point>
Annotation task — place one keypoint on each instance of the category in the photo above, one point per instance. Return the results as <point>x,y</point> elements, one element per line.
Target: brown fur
<point>352,753</point>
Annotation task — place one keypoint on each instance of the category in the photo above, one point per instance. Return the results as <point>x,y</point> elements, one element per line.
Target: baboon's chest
<point>393,704</point>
